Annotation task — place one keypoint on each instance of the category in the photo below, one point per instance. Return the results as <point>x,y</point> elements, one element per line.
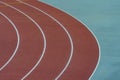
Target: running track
<point>40,42</point>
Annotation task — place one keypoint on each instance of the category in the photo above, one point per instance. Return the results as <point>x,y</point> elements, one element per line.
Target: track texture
<point>40,42</point>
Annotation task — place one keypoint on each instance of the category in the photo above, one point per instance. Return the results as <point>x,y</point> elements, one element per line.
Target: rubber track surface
<point>40,42</point>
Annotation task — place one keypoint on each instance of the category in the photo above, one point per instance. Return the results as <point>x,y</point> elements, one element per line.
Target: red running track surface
<point>40,42</point>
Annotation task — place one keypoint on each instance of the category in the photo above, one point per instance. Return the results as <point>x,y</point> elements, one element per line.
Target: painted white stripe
<point>44,38</point>
<point>63,27</point>
<point>18,42</point>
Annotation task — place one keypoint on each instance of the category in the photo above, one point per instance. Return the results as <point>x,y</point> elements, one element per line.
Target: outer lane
<point>86,52</point>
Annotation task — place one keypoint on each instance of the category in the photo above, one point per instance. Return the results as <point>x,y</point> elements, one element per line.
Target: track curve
<point>72,51</point>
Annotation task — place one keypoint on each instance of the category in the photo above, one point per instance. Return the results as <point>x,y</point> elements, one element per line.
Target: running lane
<point>31,44</point>
<point>8,40</point>
<point>86,49</point>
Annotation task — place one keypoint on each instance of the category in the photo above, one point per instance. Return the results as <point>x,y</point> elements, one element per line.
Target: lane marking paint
<point>43,52</point>
<point>71,42</point>
<point>18,41</point>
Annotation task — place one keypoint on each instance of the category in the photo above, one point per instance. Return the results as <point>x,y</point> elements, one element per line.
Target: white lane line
<point>18,42</point>
<point>43,52</point>
<point>71,41</point>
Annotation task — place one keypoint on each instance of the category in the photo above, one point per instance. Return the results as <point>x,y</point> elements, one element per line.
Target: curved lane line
<point>18,42</point>
<point>71,42</point>
<point>43,52</point>
<point>99,58</point>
